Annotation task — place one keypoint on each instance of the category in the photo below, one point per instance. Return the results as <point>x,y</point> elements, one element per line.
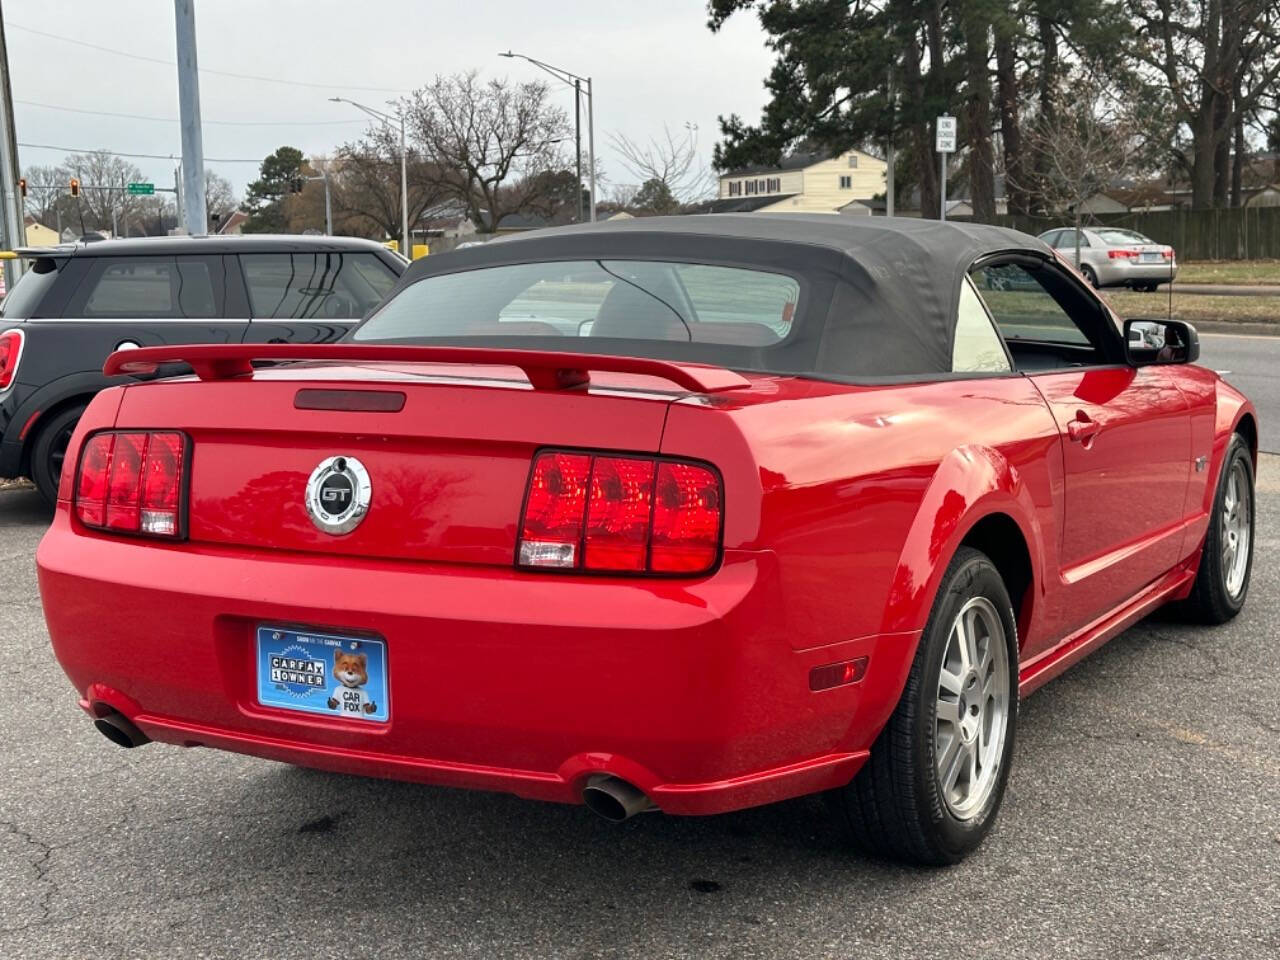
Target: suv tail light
<point>132,482</point>
<point>10,354</point>
<point>620,514</point>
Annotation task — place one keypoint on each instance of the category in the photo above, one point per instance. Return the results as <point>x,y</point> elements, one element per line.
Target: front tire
<point>933,785</point>
<point>50,449</point>
<point>1226,561</point>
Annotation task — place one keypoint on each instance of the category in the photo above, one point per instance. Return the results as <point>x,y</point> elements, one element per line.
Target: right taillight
<point>620,514</point>
<point>10,354</point>
<point>130,481</point>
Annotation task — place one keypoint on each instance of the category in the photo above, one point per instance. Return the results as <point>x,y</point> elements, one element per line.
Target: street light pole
<point>575,81</point>
<point>406,250</point>
<point>577,140</point>
<point>389,120</point>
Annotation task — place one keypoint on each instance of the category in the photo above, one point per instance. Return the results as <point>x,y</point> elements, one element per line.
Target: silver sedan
<point>1114,257</point>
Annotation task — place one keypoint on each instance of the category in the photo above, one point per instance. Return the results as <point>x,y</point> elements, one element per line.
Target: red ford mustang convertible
<point>683,514</point>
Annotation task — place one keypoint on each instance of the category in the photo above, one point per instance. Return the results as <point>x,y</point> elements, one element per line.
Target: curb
<point>1244,328</point>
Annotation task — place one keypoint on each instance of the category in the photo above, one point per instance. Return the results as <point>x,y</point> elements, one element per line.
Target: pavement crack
<point>40,864</point>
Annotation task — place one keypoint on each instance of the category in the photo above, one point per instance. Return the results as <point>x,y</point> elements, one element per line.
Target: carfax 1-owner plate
<point>323,673</point>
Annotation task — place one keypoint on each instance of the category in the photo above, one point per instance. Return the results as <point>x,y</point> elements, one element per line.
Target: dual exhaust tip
<point>607,796</point>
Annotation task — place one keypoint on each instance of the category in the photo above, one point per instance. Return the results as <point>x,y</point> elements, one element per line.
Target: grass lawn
<point>1194,308</point>
<point>1229,271</point>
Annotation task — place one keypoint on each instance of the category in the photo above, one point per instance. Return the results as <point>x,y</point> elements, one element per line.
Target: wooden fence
<point>1242,233</point>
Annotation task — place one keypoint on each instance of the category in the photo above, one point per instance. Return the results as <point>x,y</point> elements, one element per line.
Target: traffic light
<point>22,186</point>
<point>75,186</point>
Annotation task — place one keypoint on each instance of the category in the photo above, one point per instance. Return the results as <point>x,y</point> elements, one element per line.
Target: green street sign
<point>141,189</point>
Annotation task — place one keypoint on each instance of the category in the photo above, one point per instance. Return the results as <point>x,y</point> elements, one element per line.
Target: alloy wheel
<point>972,712</point>
<point>1237,529</point>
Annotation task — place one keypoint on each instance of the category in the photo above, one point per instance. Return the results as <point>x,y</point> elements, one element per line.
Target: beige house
<point>38,235</point>
<point>804,183</point>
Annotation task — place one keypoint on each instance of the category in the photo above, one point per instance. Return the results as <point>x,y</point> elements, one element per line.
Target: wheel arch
<point>52,399</point>
<point>979,499</point>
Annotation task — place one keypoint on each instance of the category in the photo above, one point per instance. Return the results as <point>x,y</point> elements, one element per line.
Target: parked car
<point>1113,257</point>
<point>78,303</point>
<point>804,506</point>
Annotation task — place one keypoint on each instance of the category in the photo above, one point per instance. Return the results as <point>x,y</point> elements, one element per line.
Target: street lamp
<point>390,121</point>
<point>575,81</point>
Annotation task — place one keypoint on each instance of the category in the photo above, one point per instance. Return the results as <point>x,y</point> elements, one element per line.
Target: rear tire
<point>1090,275</point>
<point>1226,560</point>
<point>50,449</point>
<point>932,787</point>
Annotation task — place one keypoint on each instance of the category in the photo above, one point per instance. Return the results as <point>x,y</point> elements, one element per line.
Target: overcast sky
<point>652,63</point>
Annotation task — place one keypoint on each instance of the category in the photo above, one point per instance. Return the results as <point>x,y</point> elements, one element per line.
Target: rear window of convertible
<point>602,299</point>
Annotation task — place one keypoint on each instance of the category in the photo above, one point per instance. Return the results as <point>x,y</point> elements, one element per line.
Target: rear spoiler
<point>546,369</point>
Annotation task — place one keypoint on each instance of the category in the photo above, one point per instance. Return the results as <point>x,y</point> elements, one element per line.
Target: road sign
<point>946,139</point>
<point>141,189</point>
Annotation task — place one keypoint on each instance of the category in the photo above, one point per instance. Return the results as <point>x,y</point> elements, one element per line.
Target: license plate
<point>323,674</point>
<point>1152,258</point>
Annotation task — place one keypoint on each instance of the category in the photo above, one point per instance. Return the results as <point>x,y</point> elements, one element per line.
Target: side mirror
<point>1160,341</point>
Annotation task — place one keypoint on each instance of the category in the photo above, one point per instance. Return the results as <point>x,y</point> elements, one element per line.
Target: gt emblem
<point>338,494</point>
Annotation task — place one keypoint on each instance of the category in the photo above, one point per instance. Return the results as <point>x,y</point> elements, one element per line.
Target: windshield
<point>600,299</point>
<point>24,299</point>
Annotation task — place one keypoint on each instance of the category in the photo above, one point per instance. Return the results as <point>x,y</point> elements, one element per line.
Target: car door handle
<point>1083,427</point>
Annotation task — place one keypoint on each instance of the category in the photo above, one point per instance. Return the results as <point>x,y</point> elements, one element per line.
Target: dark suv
<point>77,304</point>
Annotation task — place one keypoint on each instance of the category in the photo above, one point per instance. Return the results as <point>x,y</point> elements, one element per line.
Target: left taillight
<point>10,354</point>
<point>620,513</point>
<point>131,481</point>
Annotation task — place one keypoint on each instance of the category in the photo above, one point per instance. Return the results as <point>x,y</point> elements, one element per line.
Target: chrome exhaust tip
<point>615,800</point>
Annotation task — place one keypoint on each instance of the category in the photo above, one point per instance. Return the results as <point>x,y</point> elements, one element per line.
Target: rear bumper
<point>1120,272</point>
<point>501,680</point>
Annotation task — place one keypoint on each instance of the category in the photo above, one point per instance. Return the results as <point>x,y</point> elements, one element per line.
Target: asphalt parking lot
<point>1141,821</point>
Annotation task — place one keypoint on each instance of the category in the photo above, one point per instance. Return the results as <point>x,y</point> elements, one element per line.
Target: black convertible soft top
<point>878,294</point>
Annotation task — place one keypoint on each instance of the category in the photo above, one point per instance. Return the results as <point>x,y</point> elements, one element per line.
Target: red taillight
<point>10,354</point>
<point>131,482</point>
<point>1123,254</point>
<point>686,519</point>
<point>620,514</point>
<point>551,533</point>
<point>617,536</point>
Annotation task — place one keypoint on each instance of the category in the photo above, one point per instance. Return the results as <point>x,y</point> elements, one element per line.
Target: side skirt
<point>1043,668</point>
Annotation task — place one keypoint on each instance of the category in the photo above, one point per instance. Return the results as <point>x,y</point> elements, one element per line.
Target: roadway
<point>1251,364</point>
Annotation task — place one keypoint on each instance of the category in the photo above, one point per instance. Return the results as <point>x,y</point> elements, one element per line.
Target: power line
<point>10,25</point>
<point>144,156</point>
<point>228,123</point>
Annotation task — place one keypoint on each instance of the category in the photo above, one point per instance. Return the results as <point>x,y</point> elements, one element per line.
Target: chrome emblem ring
<point>338,494</point>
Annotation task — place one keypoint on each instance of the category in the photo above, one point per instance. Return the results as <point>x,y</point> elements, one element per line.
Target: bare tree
<point>672,161</point>
<point>45,185</point>
<point>365,177</point>
<point>490,140</point>
<point>103,179</point>
<point>219,197</point>
<point>1080,149</point>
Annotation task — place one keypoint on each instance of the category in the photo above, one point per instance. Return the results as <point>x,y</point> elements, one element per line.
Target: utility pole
<point>591,146</point>
<point>193,207</point>
<point>577,139</point>
<point>11,215</point>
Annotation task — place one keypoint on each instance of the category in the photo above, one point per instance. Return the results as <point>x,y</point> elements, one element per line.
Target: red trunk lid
<point>448,469</point>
